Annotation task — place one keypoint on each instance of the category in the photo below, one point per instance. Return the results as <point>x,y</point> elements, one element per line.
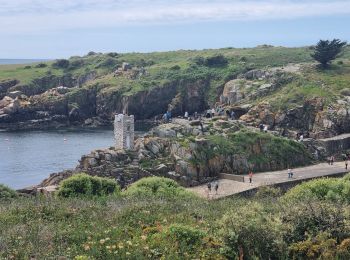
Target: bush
<point>175,67</point>
<point>324,189</point>
<point>86,185</point>
<point>345,92</point>
<point>216,61</point>
<point>7,193</point>
<point>252,233</point>
<point>75,64</point>
<point>213,61</point>
<point>41,65</point>
<point>268,192</point>
<point>157,186</point>
<point>61,64</point>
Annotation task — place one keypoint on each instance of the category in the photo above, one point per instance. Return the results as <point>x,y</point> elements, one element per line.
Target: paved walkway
<point>230,187</point>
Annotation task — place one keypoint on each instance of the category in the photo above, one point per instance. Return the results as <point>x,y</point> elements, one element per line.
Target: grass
<point>262,151</point>
<point>127,227</point>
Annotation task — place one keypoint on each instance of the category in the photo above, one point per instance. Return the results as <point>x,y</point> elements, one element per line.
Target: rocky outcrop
<point>5,85</point>
<point>312,117</point>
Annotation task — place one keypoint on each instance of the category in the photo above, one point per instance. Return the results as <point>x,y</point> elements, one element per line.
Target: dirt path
<point>229,187</point>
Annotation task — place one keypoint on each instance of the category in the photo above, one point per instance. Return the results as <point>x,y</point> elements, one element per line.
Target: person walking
<point>346,163</point>
<point>332,160</point>
<point>261,127</point>
<point>290,173</point>
<point>186,115</point>
<point>265,128</point>
<point>250,175</point>
<point>216,187</point>
<point>209,188</point>
<point>233,115</point>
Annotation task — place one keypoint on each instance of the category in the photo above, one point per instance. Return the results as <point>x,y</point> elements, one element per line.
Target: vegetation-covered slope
<point>162,226</point>
<point>95,86</point>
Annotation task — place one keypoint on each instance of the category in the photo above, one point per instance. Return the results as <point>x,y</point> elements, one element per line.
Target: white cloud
<point>31,16</point>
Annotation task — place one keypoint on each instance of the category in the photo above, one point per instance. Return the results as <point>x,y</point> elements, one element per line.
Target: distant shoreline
<point>20,61</point>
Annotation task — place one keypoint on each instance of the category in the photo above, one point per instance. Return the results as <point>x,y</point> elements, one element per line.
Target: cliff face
<point>77,106</point>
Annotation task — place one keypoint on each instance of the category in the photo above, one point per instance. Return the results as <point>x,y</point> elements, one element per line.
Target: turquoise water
<point>26,158</point>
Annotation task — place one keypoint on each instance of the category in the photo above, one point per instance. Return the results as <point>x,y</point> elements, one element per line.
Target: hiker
<point>332,160</point>
<point>233,115</point>
<point>216,187</point>
<point>208,114</point>
<point>201,125</point>
<point>212,112</point>
<point>290,173</point>
<point>346,163</point>
<point>186,115</point>
<point>169,115</point>
<point>301,138</point>
<point>165,117</point>
<point>209,188</point>
<point>261,127</point>
<point>250,175</point>
<point>265,128</point>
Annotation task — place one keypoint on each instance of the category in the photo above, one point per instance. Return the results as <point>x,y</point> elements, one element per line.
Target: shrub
<point>175,67</point>
<point>75,64</point>
<point>345,92</point>
<point>7,193</point>
<point>112,54</point>
<point>61,64</point>
<point>324,189</point>
<point>216,61</point>
<point>252,233</point>
<point>185,236</point>
<point>157,186</point>
<point>41,65</point>
<point>268,192</point>
<point>85,185</point>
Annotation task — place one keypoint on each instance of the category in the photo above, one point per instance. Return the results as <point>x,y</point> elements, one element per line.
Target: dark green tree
<point>326,51</point>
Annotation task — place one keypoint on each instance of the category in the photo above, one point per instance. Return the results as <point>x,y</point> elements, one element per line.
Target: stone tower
<point>124,132</point>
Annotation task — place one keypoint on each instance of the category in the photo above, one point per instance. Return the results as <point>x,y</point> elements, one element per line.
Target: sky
<point>64,28</point>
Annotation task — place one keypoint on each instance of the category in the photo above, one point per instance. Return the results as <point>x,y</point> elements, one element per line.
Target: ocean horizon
<point>20,61</point>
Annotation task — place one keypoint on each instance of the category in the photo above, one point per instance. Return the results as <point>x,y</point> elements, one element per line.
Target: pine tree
<point>326,51</point>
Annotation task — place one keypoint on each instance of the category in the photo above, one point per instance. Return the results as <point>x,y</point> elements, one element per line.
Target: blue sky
<point>63,28</point>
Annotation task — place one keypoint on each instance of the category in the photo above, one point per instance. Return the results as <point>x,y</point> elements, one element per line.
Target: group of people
<point>213,185</point>
<point>263,128</point>
<point>167,117</point>
<point>230,114</point>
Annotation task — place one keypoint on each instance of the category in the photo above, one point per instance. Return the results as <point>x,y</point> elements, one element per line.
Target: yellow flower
<point>102,241</point>
<point>86,247</point>
<point>143,237</point>
<point>120,246</point>
<point>129,243</point>
<point>146,247</point>
<point>114,247</point>
<point>108,247</point>
<point>127,253</point>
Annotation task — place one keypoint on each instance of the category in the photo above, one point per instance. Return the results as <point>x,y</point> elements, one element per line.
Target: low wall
<point>232,177</point>
<point>337,144</point>
<point>285,186</point>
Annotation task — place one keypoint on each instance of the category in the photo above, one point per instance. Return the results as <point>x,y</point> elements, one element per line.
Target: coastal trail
<point>230,187</point>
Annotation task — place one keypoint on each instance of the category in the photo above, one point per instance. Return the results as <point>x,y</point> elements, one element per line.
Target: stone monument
<point>124,132</point>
